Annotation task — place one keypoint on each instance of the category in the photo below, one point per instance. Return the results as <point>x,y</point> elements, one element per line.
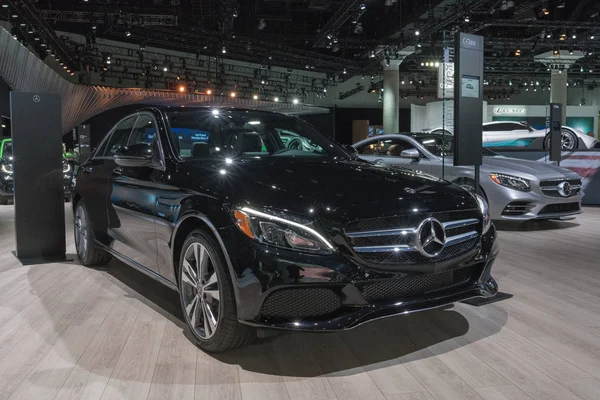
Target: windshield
<point>441,146</point>
<point>246,134</point>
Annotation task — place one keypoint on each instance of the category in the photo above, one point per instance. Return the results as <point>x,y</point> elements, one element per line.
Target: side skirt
<point>137,266</point>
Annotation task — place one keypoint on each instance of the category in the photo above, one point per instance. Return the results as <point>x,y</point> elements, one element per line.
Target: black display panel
<point>555,127</point>
<point>38,177</point>
<point>468,99</point>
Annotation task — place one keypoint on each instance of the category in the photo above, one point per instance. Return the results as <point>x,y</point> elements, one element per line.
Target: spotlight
<point>276,99</point>
<point>4,6</point>
<point>363,6</point>
<point>127,33</point>
<point>563,36</point>
<point>545,11</point>
<point>387,61</point>
<point>344,71</point>
<point>518,53</point>
<point>182,88</point>
<point>592,37</point>
<point>223,50</point>
<point>555,52</point>
<point>437,64</point>
<point>209,92</point>
<point>295,101</point>
<point>574,36</point>
<point>372,54</point>
<point>467,19</point>
<point>570,51</point>
<point>549,35</point>
<point>417,32</point>
<point>262,24</point>
<point>166,69</point>
<point>232,94</point>
<point>255,97</point>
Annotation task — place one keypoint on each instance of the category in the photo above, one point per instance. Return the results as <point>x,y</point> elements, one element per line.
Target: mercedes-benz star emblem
<point>431,238</point>
<point>37,98</point>
<point>564,189</point>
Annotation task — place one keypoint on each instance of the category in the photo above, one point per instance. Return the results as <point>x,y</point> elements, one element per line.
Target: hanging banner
<point>445,87</point>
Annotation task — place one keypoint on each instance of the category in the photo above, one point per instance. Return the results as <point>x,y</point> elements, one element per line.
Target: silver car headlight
<point>485,211</point>
<point>7,168</point>
<point>510,181</point>
<point>283,231</point>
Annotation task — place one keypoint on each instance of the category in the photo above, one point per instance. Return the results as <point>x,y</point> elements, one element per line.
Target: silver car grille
<point>395,240</point>
<point>550,187</point>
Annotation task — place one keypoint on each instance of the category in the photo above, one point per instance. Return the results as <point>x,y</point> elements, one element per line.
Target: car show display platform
<point>70,332</point>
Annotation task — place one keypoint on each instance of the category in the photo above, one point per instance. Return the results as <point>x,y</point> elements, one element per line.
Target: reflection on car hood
<point>334,190</point>
<point>514,166</point>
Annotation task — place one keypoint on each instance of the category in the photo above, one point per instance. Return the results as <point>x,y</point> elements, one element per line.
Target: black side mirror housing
<point>136,155</point>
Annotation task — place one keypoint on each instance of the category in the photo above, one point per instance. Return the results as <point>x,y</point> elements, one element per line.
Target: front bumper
<point>333,288</point>
<point>513,205</point>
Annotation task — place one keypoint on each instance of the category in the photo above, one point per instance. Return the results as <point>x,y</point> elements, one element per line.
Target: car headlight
<point>7,168</point>
<point>281,231</point>
<point>510,181</point>
<point>485,211</point>
<point>66,167</point>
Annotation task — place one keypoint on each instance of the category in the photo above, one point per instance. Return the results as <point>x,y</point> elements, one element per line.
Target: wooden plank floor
<point>69,332</point>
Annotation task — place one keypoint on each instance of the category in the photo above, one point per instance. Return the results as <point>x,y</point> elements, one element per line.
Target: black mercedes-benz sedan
<point>257,231</point>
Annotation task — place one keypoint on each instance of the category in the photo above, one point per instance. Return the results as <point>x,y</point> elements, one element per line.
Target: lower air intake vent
<point>417,285</point>
<point>560,208</point>
<point>300,303</point>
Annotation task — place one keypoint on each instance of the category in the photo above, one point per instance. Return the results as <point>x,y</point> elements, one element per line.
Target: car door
<point>133,198</point>
<point>505,134</point>
<point>94,183</point>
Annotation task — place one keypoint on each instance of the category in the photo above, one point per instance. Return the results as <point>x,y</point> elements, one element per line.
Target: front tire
<point>207,297</point>
<point>88,252</point>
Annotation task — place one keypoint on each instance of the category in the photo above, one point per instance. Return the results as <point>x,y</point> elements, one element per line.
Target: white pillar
<point>558,91</point>
<point>391,96</point>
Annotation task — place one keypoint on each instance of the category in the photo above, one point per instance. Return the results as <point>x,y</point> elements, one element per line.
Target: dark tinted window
<point>119,137</point>
<point>443,146</point>
<point>145,131</point>
<point>393,147</point>
<point>209,133</point>
<point>369,148</point>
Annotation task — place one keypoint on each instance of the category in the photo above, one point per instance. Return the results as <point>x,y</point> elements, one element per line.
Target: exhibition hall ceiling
<point>338,38</point>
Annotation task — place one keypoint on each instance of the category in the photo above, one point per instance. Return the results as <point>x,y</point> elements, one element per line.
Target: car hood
<point>516,166</point>
<point>334,190</point>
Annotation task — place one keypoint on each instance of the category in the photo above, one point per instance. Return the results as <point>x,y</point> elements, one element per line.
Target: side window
<point>293,140</point>
<point>369,148</point>
<point>394,147</point>
<point>145,131</point>
<point>119,137</point>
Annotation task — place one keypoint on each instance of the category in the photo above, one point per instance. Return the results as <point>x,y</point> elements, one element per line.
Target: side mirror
<point>411,153</point>
<point>136,155</point>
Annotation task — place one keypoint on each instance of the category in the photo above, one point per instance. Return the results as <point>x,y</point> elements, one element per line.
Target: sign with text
<point>510,111</point>
<point>445,87</point>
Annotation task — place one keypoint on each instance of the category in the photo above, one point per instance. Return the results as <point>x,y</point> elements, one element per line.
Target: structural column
<point>558,91</point>
<point>391,96</point>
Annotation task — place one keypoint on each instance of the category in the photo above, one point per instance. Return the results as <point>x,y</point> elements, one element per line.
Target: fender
<point>204,218</point>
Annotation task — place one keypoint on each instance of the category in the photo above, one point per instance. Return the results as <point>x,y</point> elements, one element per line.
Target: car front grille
<point>417,285</point>
<point>550,187</point>
<point>300,303</point>
<point>559,208</point>
<point>394,240</point>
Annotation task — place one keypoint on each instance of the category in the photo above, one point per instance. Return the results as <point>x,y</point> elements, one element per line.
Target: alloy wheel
<point>567,141</point>
<point>200,291</point>
<point>81,233</point>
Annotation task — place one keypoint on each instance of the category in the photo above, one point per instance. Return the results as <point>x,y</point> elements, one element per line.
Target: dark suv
<point>254,233</point>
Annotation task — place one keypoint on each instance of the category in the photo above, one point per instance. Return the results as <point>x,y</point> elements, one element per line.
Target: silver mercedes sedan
<point>515,189</point>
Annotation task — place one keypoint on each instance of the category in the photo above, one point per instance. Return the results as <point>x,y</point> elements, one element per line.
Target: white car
<point>520,134</point>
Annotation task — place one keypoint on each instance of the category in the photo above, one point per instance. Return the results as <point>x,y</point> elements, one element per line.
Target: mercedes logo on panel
<point>431,238</point>
<point>564,189</point>
<point>37,98</point>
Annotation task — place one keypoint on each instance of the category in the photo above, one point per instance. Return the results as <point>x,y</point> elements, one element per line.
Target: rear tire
<point>88,252</point>
<point>206,289</point>
<point>568,141</point>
